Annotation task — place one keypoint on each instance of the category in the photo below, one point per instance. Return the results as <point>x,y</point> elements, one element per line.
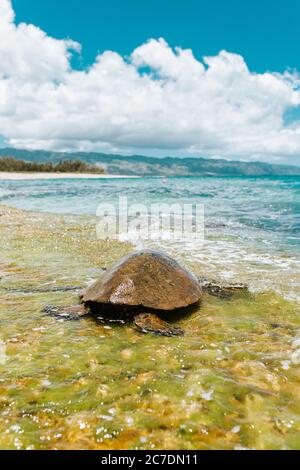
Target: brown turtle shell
<point>148,279</point>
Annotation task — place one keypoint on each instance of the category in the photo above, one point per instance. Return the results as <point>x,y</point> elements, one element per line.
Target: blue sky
<point>216,78</point>
<point>265,32</point>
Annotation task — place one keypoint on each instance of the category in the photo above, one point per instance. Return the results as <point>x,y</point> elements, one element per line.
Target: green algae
<point>232,382</point>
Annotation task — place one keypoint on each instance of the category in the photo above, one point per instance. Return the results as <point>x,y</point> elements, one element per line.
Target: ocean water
<point>252,225</point>
<point>231,382</point>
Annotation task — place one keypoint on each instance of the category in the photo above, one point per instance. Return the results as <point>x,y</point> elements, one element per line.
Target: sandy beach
<point>47,176</point>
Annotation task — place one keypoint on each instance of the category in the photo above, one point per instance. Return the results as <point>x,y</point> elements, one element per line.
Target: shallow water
<point>252,225</point>
<point>232,382</point>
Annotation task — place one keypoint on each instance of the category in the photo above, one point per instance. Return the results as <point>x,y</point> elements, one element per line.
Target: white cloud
<point>160,100</point>
<point>6,13</point>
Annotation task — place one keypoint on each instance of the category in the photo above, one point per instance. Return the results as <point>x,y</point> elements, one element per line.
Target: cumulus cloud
<point>159,99</point>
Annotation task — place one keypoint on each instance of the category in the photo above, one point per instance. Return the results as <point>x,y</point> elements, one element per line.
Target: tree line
<point>10,164</point>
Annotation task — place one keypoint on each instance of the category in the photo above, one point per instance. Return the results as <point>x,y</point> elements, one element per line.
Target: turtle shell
<point>148,279</point>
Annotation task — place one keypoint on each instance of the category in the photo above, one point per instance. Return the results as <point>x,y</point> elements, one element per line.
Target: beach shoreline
<point>15,176</point>
<point>93,378</point>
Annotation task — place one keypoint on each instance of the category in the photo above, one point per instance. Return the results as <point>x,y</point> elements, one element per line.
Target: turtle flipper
<point>73,312</point>
<point>151,323</point>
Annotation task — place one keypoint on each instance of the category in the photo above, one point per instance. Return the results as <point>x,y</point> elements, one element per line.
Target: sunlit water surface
<point>233,380</point>
<point>252,225</point>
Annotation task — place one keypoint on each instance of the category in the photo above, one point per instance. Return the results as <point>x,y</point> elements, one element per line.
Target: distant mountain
<point>151,166</point>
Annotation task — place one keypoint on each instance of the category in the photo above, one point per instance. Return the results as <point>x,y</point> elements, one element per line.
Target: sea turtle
<point>144,285</point>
